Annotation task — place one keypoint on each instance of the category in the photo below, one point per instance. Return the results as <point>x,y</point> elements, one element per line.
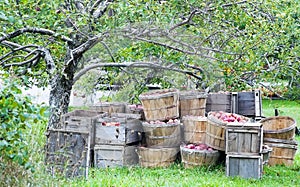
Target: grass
<point>175,175</point>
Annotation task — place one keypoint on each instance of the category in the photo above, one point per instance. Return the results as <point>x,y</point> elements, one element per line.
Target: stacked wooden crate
<point>244,156</point>
<point>116,138</point>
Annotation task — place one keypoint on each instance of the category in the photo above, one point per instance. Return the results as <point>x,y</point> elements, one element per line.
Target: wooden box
<point>219,102</point>
<point>82,121</point>
<point>250,103</point>
<point>244,138</point>
<point>68,153</point>
<point>128,132</point>
<point>245,166</point>
<point>115,156</point>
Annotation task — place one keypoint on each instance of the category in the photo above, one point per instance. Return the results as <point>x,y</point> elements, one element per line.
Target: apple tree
<point>49,43</point>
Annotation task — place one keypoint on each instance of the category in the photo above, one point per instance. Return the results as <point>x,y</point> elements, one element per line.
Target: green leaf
<point>11,19</point>
<point>3,16</point>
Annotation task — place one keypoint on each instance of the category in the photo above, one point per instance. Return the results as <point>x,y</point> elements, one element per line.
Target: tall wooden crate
<point>116,139</point>
<point>219,102</point>
<point>68,153</point>
<point>244,150</point>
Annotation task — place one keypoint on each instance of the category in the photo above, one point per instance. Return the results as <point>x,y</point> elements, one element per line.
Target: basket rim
<point>222,123</point>
<point>158,148</point>
<point>194,118</point>
<point>192,94</point>
<point>291,127</point>
<point>161,93</point>
<point>147,124</point>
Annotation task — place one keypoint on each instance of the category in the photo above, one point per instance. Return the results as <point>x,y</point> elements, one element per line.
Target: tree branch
<point>194,52</point>
<point>97,63</point>
<point>33,30</point>
<point>186,21</point>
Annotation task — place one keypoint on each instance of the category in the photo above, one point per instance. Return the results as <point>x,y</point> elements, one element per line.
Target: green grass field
<point>173,176</point>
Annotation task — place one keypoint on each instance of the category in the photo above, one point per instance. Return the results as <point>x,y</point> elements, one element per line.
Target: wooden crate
<point>82,121</point>
<point>68,153</point>
<point>219,102</point>
<point>250,103</point>
<point>244,138</point>
<point>128,132</point>
<point>245,166</point>
<point>115,156</point>
<point>136,109</point>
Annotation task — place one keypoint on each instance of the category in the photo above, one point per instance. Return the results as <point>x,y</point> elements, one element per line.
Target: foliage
<point>18,114</point>
<point>236,44</point>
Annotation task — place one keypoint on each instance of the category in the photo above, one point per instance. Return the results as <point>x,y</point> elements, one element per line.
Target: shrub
<point>17,114</point>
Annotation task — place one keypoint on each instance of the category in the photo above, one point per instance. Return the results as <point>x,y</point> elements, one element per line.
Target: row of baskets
<point>234,138</point>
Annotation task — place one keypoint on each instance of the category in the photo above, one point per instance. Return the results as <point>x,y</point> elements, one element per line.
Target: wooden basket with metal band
<point>157,157</point>
<point>162,135</point>
<point>192,102</point>
<point>193,158</point>
<point>160,104</point>
<point>194,129</point>
<point>279,127</point>
<point>283,151</point>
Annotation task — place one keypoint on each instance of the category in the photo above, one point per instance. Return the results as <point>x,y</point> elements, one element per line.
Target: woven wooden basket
<point>160,104</point>
<point>193,158</point>
<point>216,132</point>
<point>194,129</point>
<point>279,127</point>
<point>162,135</point>
<point>192,103</point>
<point>157,157</point>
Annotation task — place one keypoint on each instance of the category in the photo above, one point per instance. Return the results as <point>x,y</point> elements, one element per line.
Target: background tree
<point>50,41</point>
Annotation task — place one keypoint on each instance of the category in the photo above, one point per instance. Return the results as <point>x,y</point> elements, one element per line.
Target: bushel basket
<point>193,158</point>
<point>279,127</point>
<point>160,104</point>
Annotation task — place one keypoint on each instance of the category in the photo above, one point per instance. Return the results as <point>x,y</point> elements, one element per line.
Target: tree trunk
<point>61,87</point>
<point>59,100</point>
